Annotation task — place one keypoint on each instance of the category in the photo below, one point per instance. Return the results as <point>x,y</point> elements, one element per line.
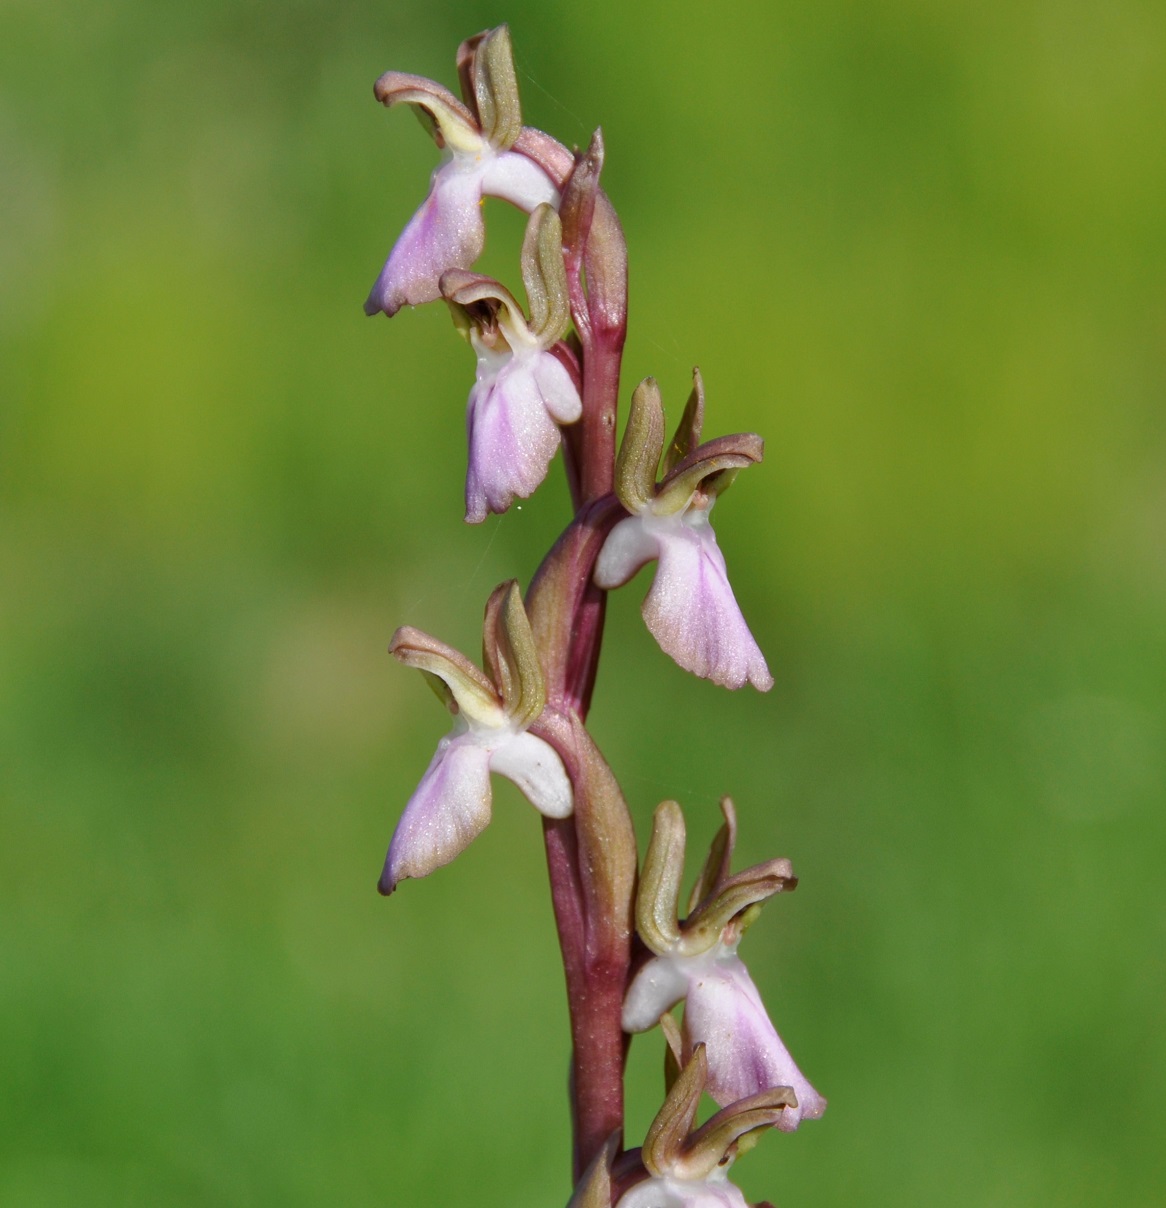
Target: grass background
<point>920,248</point>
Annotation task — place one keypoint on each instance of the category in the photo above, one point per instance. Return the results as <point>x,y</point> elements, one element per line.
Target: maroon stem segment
<point>591,856</point>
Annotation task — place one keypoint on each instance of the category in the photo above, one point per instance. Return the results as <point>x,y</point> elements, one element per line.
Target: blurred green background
<point>922,249</point>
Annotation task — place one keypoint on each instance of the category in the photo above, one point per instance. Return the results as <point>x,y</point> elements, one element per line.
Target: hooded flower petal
<point>518,180</point>
<point>723,1010</point>
<point>446,232</point>
<point>656,988</point>
<point>512,434</point>
<point>559,393</point>
<point>535,766</point>
<point>448,810</point>
<point>629,546</point>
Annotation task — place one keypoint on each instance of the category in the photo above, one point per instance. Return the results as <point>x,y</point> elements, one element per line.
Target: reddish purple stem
<point>567,613</point>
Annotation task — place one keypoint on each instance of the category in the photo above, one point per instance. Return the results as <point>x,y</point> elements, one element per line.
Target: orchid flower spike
<point>451,805</point>
<point>696,960</point>
<point>477,140</point>
<point>523,390</point>
<point>690,609</point>
<point>687,1167</point>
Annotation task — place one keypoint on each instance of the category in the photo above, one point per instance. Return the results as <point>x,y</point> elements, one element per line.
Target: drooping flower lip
<point>723,1010</point>
<point>448,810</point>
<point>691,610</point>
<point>453,802</point>
<point>446,231</point>
<point>513,416</point>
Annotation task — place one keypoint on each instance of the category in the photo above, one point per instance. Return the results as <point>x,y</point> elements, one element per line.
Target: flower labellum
<point>690,609</point>
<point>697,961</point>
<point>476,137</point>
<point>452,804</point>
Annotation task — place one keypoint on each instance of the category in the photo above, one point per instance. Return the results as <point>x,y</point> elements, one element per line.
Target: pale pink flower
<point>452,804</point>
<point>690,608</point>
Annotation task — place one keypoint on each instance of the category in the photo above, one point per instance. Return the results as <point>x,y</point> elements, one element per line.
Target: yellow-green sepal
<point>640,449</point>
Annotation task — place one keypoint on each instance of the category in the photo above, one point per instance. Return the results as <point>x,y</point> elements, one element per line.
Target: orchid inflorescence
<point>544,381</point>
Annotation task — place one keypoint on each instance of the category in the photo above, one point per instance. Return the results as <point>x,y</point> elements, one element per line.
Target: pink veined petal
<point>512,439</point>
<point>448,810</point>
<point>656,988</point>
<point>446,232</point>
<point>628,547</point>
<point>691,610</point>
<point>745,1054</point>
<point>519,180</point>
<point>535,766</point>
<point>560,397</point>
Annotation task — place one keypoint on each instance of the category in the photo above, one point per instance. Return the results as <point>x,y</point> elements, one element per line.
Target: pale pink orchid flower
<point>492,715</point>
<point>690,608</point>
<point>478,161</point>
